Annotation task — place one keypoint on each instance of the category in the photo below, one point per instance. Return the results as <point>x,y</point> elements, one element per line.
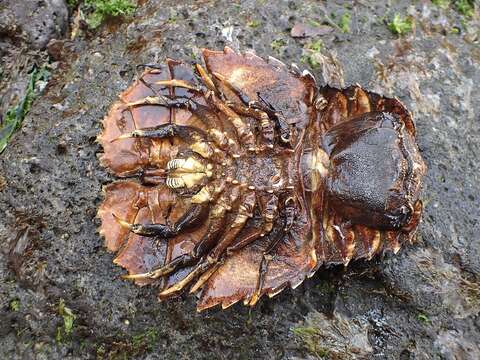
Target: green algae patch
<point>14,116</point>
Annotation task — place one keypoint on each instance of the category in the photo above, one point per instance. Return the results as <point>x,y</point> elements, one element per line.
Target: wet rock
<point>301,30</point>
<point>37,21</point>
<point>432,284</point>
<point>337,337</point>
<point>57,49</point>
<point>452,345</point>
<point>417,304</point>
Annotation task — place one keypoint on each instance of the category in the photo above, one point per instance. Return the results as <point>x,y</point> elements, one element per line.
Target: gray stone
<point>419,304</point>
<point>37,21</point>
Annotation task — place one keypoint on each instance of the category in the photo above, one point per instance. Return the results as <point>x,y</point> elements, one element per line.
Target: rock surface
<point>26,27</point>
<point>36,21</point>
<point>60,295</point>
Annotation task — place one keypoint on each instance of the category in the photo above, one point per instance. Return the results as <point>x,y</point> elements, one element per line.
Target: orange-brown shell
<point>312,242</point>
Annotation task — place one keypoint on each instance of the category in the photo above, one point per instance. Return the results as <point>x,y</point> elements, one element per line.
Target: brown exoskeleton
<point>251,177</point>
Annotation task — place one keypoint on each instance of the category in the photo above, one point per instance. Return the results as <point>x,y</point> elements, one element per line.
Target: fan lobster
<point>245,177</point>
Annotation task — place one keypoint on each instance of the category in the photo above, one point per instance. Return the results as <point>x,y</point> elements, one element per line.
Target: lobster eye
<point>369,171</point>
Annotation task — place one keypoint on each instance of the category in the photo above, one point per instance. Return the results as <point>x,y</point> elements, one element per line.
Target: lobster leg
<point>164,131</point>
<point>202,248</point>
<point>244,132</point>
<point>267,126</point>
<point>267,257</point>
<point>177,83</point>
<point>215,230</point>
<point>262,272</point>
<point>264,112</point>
<point>269,210</point>
<point>269,206</point>
<point>196,137</point>
<point>222,140</point>
<point>217,217</point>
<point>161,100</point>
<point>283,127</point>
<point>205,78</point>
<point>245,211</point>
<point>179,262</point>
<point>241,94</point>
<point>192,218</point>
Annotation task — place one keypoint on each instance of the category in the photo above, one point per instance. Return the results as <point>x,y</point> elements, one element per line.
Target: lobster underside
<point>242,178</point>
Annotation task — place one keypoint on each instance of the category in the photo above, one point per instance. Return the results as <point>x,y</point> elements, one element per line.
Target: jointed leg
<point>242,95</point>
<point>205,77</point>
<point>187,133</point>
<point>290,210</point>
<point>177,83</point>
<point>264,112</point>
<point>193,217</point>
<point>216,228</point>
<point>245,211</point>
<point>245,134</point>
<point>190,219</point>
<point>179,262</point>
<point>262,272</point>
<point>283,127</point>
<point>162,100</point>
<point>186,85</point>
<point>204,113</point>
<point>269,206</point>
<point>199,144</point>
<point>215,131</point>
<point>209,265</point>
<point>267,127</point>
<point>207,117</point>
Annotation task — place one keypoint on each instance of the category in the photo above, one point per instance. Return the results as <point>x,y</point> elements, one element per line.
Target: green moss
<point>308,335</point>
<point>441,3</point>
<point>465,7</point>
<point>423,318</point>
<point>401,25</point>
<point>15,305</point>
<point>101,352</point>
<point>15,115</point>
<point>132,348</point>
<point>68,321</point>
<point>99,10</point>
<point>314,23</point>
<point>345,22</point>
<point>72,4</point>
<point>311,51</point>
<point>315,46</point>
<point>305,331</point>
<point>277,44</point>
<point>253,23</point>
<point>145,341</point>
